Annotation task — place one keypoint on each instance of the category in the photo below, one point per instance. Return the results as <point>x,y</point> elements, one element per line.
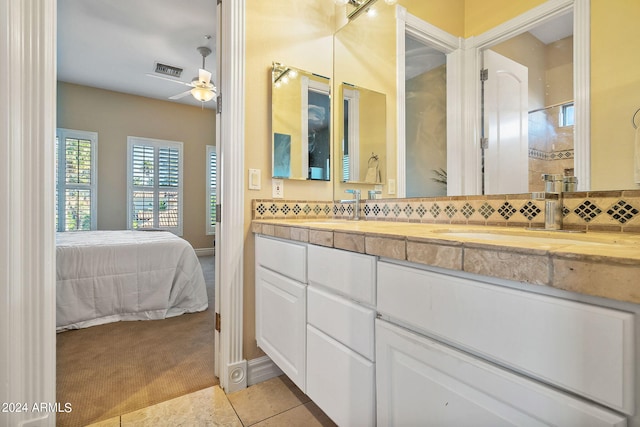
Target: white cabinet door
<point>340,381</point>
<point>422,382</point>
<point>281,321</point>
<point>580,347</point>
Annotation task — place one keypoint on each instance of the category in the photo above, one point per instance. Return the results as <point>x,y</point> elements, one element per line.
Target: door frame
<point>581,84</point>
<point>230,366</point>
<point>450,45</point>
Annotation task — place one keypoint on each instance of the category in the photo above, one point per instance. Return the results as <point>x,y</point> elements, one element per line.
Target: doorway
<point>425,119</point>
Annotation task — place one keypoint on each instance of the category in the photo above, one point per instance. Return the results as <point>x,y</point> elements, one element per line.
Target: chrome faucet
<point>355,201</point>
<point>552,196</point>
<point>373,194</point>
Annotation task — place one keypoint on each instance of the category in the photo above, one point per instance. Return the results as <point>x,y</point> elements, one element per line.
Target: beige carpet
<point>113,369</point>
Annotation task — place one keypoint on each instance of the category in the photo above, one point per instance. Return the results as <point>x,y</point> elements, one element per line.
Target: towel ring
<point>633,119</point>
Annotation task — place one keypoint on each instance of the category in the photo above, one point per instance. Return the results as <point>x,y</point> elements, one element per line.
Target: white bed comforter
<point>108,276</point>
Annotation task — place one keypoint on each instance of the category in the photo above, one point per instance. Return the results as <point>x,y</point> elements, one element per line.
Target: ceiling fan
<point>201,87</point>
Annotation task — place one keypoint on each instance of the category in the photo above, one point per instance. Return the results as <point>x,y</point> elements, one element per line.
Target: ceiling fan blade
<point>181,95</point>
<point>204,76</point>
<point>168,79</point>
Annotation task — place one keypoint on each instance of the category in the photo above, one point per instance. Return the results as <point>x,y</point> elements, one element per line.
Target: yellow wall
<point>114,116</point>
<point>481,16</point>
<point>448,15</point>
<point>298,33</point>
<point>615,92</point>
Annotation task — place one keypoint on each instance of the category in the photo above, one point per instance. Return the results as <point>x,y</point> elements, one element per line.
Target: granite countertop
<point>602,264</point>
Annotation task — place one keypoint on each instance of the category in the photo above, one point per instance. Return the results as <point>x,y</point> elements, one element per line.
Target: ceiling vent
<point>168,70</point>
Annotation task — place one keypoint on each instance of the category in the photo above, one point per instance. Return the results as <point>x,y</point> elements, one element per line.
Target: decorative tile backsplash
<point>596,211</point>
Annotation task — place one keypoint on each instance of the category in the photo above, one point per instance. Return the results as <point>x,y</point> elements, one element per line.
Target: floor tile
<point>266,399</point>
<point>208,407</point>
<point>307,415</point>
<point>111,422</point>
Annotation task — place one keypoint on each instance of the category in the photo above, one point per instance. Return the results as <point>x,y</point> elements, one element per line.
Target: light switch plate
<point>392,186</point>
<point>277,188</point>
<point>254,179</point>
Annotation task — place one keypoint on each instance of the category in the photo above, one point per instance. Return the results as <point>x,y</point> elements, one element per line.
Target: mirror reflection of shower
<point>426,120</point>
<point>550,143</point>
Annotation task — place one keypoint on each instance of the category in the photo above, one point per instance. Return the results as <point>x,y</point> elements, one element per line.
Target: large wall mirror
<point>364,79</point>
<point>301,124</point>
<point>435,122</point>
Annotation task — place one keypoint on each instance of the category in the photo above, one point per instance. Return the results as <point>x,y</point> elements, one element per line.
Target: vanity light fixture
<point>281,74</point>
<point>360,6</point>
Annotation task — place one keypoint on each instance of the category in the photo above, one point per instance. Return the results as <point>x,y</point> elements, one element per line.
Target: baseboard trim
<point>204,251</point>
<point>261,369</point>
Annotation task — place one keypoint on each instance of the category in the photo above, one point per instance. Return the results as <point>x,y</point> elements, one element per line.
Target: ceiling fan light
<point>202,94</point>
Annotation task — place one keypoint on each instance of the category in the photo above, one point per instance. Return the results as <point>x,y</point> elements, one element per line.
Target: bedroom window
<point>212,181</point>
<point>154,176</point>
<point>76,180</point>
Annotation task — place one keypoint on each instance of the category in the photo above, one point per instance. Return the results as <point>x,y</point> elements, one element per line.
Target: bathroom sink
<point>542,237</point>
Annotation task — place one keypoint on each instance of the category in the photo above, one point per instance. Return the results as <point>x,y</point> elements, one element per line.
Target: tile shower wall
<point>617,211</point>
<point>550,146</point>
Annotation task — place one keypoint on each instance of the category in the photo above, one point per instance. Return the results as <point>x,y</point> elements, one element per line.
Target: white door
<point>506,100</point>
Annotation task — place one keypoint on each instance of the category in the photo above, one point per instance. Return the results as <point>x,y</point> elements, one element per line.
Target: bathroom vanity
<point>407,324</point>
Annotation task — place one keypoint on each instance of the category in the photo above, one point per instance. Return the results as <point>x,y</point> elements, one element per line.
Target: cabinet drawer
<point>347,273</point>
<point>347,322</point>
<point>444,387</point>
<point>280,322</point>
<point>580,347</point>
<point>289,259</point>
<point>340,381</point>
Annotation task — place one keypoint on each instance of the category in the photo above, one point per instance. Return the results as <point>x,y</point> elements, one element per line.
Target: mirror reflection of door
<point>505,125</point>
<point>350,134</point>
<point>426,120</point>
<point>547,52</point>
<point>319,137</point>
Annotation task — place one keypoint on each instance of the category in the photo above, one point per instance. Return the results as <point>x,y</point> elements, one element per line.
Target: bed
<point>109,276</point>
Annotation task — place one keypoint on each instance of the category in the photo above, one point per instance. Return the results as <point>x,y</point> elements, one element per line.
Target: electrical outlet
<point>277,189</point>
<point>392,186</point>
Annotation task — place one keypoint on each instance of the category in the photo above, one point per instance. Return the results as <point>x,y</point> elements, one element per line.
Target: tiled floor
<point>276,402</point>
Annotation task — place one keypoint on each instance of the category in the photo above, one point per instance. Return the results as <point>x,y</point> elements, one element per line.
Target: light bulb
<point>341,2</point>
<point>391,2</point>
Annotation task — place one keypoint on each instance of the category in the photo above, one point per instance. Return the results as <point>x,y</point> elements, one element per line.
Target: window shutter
<point>143,166</point>
<point>213,180</point>
<point>76,185</point>
<point>155,187</point>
